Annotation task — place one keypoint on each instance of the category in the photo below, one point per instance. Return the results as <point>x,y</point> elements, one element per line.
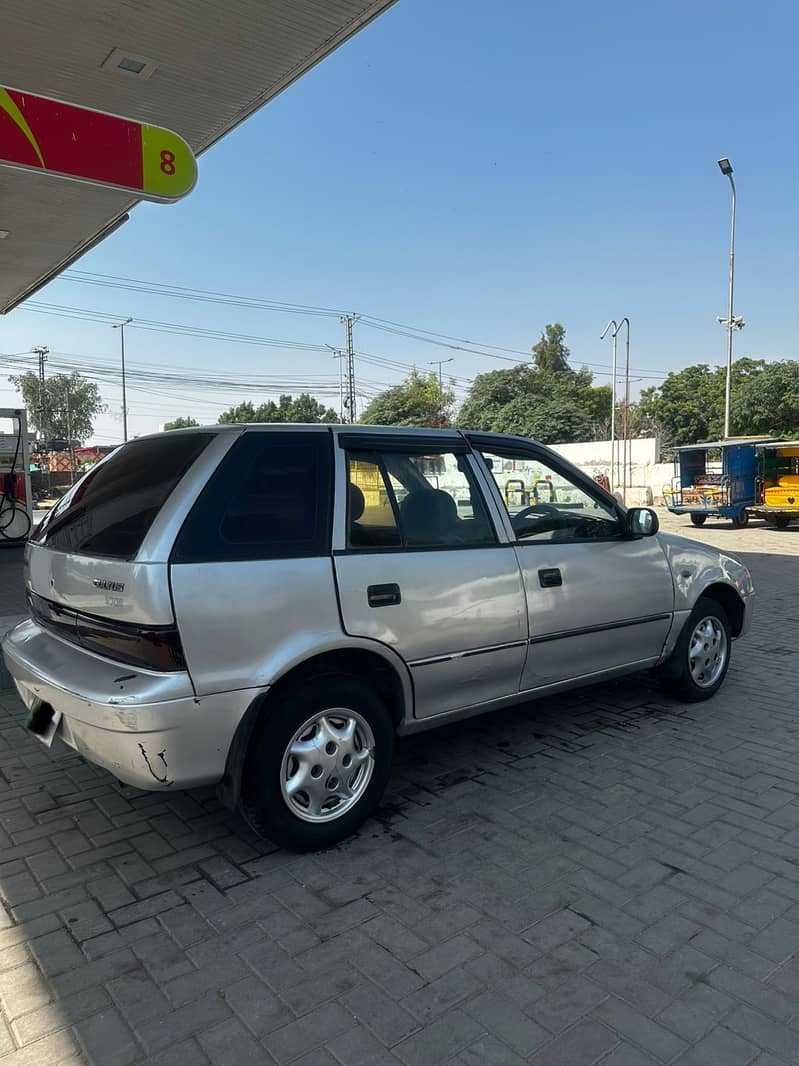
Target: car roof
<point>444,435</point>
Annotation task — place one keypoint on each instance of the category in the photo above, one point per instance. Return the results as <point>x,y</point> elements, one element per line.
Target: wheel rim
<point>707,652</point>
<point>327,765</point>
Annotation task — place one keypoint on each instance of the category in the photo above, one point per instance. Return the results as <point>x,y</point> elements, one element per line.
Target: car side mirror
<point>641,522</point>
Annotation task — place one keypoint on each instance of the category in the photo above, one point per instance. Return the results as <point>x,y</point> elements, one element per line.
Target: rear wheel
<point>698,665</point>
<point>782,521</point>
<point>698,519</point>
<point>741,520</point>
<point>318,763</point>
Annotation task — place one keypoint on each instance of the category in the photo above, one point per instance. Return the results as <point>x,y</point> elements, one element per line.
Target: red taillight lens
<point>150,647</point>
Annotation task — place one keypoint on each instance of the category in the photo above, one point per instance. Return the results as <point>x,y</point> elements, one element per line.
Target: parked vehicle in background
<point>777,483</point>
<point>716,480</point>
<point>267,607</point>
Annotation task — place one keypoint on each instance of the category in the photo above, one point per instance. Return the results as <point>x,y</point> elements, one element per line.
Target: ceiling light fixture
<point>128,64</point>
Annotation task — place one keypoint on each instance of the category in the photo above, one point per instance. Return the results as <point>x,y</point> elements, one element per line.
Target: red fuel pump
<point>16,508</point>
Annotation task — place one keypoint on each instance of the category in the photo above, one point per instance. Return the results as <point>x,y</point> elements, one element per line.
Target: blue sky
<point>479,170</point>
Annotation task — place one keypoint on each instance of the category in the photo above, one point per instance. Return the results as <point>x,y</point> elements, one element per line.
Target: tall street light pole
<point>121,327</point>
<point>440,363</point>
<point>732,323</point>
<point>613,335</point>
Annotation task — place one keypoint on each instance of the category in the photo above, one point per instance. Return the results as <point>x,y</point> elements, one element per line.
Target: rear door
<point>89,552</point>
<point>597,600</point>
<point>420,567</point>
<point>251,569</point>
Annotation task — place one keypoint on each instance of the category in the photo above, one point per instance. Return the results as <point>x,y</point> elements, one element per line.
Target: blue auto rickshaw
<point>717,480</point>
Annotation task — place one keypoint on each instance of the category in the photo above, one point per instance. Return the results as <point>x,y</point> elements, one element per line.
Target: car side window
<point>269,498</point>
<point>545,504</point>
<point>371,520</point>
<point>416,501</point>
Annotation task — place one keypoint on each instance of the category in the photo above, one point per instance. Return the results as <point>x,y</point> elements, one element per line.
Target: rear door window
<point>269,498</point>
<point>110,511</point>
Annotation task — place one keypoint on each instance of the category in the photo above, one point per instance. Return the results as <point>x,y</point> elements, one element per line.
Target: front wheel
<point>698,519</point>
<point>318,763</point>
<point>696,669</point>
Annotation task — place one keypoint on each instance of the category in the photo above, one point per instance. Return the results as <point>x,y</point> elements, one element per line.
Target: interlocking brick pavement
<point>603,877</point>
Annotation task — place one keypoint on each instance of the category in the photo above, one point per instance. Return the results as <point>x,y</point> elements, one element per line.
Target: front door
<point>423,572</point>
<point>596,599</point>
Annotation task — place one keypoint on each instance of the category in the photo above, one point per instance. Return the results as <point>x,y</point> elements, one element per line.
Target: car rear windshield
<point>110,511</point>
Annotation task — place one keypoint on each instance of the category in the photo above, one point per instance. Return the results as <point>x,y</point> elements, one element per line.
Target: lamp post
<point>614,461</point>
<point>613,335</point>
<point>731,322</point>
<point>440,363</point>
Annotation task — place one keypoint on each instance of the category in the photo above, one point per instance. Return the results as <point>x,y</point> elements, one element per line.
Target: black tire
<point>698,519</point>
<point>676,675</point>
<point>741,520</point>
<point>262,800</point>
<point>782,521</point>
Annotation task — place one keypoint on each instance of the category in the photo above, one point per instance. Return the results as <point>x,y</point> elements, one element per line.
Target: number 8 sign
<point>38,133</point>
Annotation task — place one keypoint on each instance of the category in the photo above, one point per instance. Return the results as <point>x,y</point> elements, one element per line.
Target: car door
<point>597,600</point>
<point>420,567</point>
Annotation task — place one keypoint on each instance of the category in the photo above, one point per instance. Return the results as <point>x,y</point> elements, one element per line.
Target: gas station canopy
<point>199,67</point>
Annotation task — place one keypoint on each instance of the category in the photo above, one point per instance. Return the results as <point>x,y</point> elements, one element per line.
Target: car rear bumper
<point>147,729</point>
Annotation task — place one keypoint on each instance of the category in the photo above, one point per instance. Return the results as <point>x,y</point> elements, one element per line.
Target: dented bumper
<point>147,729</point>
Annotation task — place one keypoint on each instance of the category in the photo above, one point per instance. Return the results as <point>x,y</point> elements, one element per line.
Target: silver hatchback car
<point>266,607</point>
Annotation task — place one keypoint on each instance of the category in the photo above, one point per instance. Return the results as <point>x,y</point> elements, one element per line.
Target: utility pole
<point>42,352</point>
<point>121,327</point>
<point>69,438</point>
<point>349,397</point>
<point>339,354</point>
<point>439,363</point>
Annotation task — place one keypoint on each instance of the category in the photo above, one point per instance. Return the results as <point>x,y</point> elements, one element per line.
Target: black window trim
<point>480,441</point>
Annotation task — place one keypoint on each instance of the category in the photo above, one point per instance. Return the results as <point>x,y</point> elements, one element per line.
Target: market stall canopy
<point>198,67</point>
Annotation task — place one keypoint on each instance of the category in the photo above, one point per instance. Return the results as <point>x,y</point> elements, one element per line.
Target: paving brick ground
<point>603,877</point>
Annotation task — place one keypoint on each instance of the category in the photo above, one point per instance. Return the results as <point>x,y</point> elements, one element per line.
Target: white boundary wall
<point>647,477</point>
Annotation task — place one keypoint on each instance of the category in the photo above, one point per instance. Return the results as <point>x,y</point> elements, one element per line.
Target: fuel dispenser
<point>16,507</point>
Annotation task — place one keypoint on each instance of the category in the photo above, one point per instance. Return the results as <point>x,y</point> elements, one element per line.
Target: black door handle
<point>550,579</point>
<point>383,595</point>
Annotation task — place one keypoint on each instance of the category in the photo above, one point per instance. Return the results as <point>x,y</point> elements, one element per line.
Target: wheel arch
<point>390,679</point>
<point>726,596</point>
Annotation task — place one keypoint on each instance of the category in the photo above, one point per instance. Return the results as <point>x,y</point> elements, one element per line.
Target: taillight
<point>151,647</point>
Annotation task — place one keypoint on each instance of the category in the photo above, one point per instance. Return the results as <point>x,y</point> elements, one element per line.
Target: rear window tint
<point>110,511</point>
<point>269,498</point>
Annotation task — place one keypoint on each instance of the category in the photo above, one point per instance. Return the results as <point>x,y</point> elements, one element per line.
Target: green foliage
<point>418,401</point>
<point>181,423</point>
<point>548,401</point>
<point>67,407</point>
<point>302,409</point>
<point>690,403</point>
<point>551,354</point>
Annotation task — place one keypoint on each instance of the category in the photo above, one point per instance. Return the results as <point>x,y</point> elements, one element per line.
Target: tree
<point>66,408</point>
<point>493,391</point>
<point>553,419</point>
<point>550,353</point>
<point>418,401</point>
<point>553,407</point>
<point>690,403</point>
<point>304,409</point>
<point>181,423</point>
